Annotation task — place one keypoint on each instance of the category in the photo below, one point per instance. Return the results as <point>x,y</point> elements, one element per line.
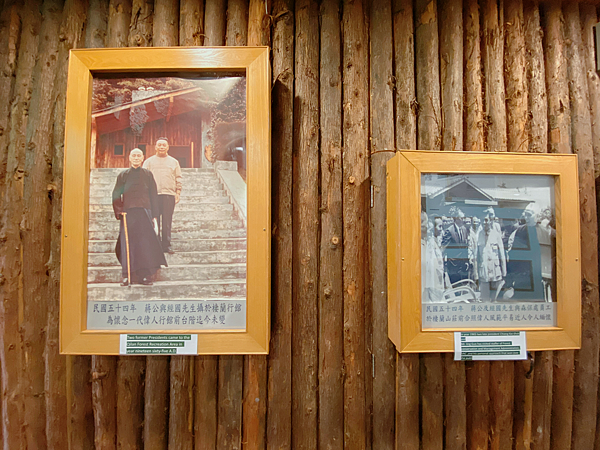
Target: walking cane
<point>124,214</point>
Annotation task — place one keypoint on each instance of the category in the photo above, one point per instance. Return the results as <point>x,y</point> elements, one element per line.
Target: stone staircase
<point>208,238</point>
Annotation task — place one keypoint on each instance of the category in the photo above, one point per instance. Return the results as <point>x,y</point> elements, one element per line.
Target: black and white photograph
<point>488,250</point>
<point>167,203</point>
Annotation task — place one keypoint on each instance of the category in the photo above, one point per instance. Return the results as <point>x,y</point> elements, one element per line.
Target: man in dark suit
<point>457,234</point>
<point>135,203</point>
<point>456,238</point>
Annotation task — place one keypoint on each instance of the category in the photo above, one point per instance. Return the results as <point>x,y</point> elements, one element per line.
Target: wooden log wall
<point>353,82</point>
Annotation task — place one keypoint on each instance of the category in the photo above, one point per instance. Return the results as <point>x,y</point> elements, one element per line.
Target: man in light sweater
<point>167,174</point>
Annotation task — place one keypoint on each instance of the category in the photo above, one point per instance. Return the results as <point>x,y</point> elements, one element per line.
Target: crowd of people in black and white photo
<point>466,258</point>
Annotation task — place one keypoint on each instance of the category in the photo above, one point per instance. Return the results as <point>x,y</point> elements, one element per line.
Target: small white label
<point>159,344</point>
<point>489,346</point>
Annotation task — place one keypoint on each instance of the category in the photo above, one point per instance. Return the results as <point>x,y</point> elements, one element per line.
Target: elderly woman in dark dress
<point>135,203</point>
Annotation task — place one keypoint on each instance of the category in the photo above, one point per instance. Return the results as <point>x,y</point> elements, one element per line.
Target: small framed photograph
<point>483,242</point>
<point>166,200</point>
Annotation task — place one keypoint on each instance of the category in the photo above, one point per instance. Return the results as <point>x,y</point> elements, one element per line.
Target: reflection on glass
<point>488,250</point>
<point>167,206</point>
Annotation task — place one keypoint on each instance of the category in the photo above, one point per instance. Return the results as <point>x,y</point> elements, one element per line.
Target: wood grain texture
<point>237,23</point>
<point>537,99</point>
<point>515,74</point>
<point>523,405</point>
<point>451,73</point>
<point>79,378</point>
<point>156,403</point>
<point>181,410</point>
<point>562,400</point>
<point>559,120</point>
<point>429,129</point>
<point>214,20</point>
<point>407,401</point>
<point>432,400</point>
<point>589,18</point>
<point>427,75</point>
<point>119,17</point>
<point>71,29</point>
<point>166,23</point>
<point>207,367</point>
<point>331,307</point>
<point>542,401</point>
<point>229,404</point>
<point>451,78</point>
<point>104,401</point>
<point>355,214</point>
<point>552,408</point>
<point>473,110</point>
<point>255,367</point>
<point>130,402</point>
<point>205,410</point>
<point>501,390</point>
<point>586,359</point>
<point>502,399</point>
<point>35,226</point>
<point>97,23</point>
<point>559,117</point>
<point>407,365</point>
<point>259,23</point>
<point>10,30</point>
<point>455,405</point>
<point>382,149</point>
<point>254,409</point>
<point>478,399</point>
<point>492,30</point>
<point>279,383</point>
<point>11,308</point>
<point>230,380</point>
<point>191,22</point>
<point>404,57</point>
<point>306,232</point>
<point>140,26</point>
<point>79,392</point>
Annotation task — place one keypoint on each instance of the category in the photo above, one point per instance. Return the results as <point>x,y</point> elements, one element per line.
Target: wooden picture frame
<point>406,195</point>
<point>84,65</point>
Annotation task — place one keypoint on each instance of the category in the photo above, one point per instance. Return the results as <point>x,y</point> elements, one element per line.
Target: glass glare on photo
<point>488,250</point>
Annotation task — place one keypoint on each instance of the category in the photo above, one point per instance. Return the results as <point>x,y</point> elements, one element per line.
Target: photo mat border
<point>404,250</point>
<point>75,339</point>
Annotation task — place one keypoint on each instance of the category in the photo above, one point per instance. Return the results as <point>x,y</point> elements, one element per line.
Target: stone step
<point>188,186</point>
<point>104,235</point>
<point>190,196</point>
<point>181,206</point>
<point>115,170</point>
<point>211,212</point>
<point>107,182</point>
<point>168,290</point>
<point>179,225</point>
<point>192,245</point>
<point>114,173</point>
<point>197,272</point>
<point>213,257</point>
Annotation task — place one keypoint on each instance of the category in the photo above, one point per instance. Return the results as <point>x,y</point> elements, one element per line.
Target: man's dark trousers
<point>166,206</point>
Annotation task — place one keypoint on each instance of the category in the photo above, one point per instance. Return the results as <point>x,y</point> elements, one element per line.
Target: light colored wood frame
<point>404,249</point>
<point>83,64</point>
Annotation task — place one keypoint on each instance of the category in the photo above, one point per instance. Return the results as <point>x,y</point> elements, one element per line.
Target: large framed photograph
<point>166,199</point>
<point>483,242</point>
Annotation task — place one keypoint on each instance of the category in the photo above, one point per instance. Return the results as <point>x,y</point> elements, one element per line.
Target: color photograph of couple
<point>167,200</point>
